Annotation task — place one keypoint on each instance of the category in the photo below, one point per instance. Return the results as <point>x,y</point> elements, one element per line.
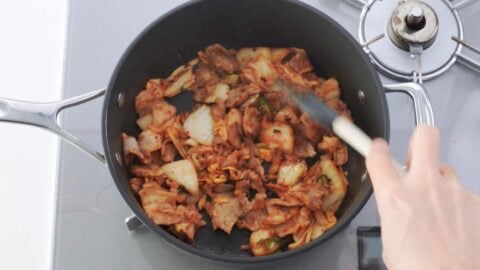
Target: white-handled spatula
<point>341,126</point>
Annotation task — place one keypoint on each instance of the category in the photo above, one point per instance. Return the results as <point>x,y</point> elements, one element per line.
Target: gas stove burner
<point>413,23</point>
<point>395,34</point>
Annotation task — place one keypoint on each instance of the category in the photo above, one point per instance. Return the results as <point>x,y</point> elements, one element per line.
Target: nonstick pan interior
<point>175,38</point>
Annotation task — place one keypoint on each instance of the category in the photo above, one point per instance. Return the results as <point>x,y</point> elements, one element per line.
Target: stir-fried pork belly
<point>241,153</point>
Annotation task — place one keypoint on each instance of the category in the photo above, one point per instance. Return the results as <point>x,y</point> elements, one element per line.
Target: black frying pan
<point>176,37</point>
<point>173,40</point>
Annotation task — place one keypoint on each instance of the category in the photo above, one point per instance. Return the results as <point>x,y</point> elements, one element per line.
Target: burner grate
<point>415,61</point>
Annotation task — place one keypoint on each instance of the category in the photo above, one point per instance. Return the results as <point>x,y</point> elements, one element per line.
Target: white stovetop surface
<point>31,53</point>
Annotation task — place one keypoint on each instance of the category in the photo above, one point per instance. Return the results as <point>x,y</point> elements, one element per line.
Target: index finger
<point>380,166</point>
<point>424,149</point>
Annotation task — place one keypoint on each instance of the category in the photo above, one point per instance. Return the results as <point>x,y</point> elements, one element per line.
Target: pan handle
<point>421,102</point>
<point>45,115</point>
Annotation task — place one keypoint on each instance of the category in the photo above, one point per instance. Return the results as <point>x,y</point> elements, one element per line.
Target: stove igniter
<point>415,18</point>
<point>413,23</point>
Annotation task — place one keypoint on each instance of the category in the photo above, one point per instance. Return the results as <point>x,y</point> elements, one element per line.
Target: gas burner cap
<point>413,23</point>
<point>407,26</point>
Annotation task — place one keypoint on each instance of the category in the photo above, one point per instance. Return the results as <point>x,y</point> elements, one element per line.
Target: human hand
<point>428,220</point>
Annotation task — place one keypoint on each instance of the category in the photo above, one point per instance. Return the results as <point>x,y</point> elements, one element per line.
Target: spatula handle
<point>357,139</point>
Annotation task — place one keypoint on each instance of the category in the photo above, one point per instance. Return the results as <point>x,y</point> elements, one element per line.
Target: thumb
<point>379,165</point>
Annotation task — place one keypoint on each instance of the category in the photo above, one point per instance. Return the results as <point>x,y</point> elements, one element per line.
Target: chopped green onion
<point>323,180</point>
<point>272,243</point>
<point>264,103</point>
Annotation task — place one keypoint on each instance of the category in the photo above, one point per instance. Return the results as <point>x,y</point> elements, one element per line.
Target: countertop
<point>31,53</point>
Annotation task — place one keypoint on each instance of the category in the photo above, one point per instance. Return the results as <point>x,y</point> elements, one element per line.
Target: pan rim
<point>187,248</point>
